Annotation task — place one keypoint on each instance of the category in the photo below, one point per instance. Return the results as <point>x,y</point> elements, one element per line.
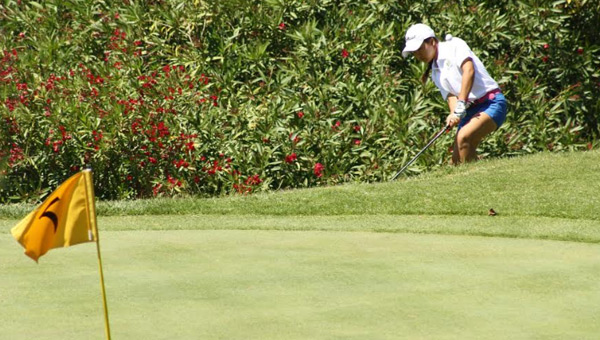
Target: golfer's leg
<point>469,137</point>
<point>455,153</point>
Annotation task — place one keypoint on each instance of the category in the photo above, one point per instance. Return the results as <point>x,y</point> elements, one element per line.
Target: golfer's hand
<point>460,110</point>
<point>452,120</point>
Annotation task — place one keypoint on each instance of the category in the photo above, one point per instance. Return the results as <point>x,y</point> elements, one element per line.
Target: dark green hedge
<point>212,97</point>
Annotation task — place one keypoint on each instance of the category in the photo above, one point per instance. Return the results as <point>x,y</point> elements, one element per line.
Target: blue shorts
<point>495,108</point>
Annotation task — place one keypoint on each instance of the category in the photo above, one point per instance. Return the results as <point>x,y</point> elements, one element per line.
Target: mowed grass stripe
<point>497,226</point>
<point>227,284</point>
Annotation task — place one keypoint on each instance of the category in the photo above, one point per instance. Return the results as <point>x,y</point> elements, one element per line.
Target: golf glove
<point>461,109</point>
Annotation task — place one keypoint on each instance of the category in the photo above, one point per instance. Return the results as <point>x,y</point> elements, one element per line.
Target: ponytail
<point>425,75</point>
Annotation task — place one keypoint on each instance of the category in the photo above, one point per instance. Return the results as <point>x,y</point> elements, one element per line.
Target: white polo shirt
<point>447,73</point>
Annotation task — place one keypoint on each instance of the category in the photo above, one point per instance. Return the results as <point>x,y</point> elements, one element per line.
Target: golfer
<point>476,104</point>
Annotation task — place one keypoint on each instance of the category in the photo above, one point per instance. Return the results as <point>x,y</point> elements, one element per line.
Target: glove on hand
<point>461,109</point>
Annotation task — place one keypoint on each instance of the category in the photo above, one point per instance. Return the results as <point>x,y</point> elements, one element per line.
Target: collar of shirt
<point>443,54</point>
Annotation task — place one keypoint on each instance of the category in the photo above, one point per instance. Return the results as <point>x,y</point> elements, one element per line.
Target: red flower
<point>291,158</point>
<point>253,180</point>
<point>16,154</point>
<point>580,50</point>
<point>546,46</point>
<point>282,26</point>
<point>545,58</point>
<point>56,146</point>
<point>357,128</point>
<point>318,170</point>
<point>181,163</point>
<point>357,142</point>
<point>97,135</point>
<point>156,189</point>
<point>345,53</point>
<point>300,114</point>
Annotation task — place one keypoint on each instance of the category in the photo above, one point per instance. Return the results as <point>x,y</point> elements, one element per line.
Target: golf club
<point>420,152</point>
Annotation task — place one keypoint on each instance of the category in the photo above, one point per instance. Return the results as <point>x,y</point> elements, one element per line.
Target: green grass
<point>561,185</point>
<point>512,227</point>
<point>360,261</point>
<point>224,284</point>
<point>547,196</point>
<point>550,185</point>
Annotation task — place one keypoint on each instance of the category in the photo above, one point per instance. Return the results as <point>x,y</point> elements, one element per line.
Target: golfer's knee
<point>464,141</point>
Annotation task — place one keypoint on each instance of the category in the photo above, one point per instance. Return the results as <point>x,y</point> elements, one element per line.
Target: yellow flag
<point>66,217</point>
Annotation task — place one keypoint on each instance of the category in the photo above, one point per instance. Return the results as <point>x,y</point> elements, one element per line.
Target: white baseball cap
<point>415,36</point>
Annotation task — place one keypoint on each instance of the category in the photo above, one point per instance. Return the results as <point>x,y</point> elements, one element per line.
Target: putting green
<point>234,284</point>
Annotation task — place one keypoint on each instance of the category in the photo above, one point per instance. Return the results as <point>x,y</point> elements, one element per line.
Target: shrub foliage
<point>213,97</point>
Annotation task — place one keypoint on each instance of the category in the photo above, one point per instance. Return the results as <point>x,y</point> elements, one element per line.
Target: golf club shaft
<point>420,152</point>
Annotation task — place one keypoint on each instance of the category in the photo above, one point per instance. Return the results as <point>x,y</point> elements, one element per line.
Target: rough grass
<point>561,185</point>
<point>550,185</point>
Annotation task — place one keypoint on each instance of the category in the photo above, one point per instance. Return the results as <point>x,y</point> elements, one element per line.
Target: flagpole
<point>107,326</point>
<point>94,232</point>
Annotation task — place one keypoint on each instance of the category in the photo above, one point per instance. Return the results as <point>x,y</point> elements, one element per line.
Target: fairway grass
<point>249,284</point>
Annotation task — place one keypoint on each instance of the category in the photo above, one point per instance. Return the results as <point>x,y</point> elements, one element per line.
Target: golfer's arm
<point>468,75</point>
<point>451,102</point>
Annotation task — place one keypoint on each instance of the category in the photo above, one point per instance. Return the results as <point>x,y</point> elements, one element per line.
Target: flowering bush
<point>216,97</point>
